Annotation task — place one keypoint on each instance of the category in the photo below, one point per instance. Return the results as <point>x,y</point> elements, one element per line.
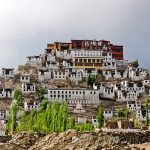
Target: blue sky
<point>26,26</point>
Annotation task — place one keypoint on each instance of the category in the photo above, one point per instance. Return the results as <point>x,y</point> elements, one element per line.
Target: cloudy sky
<point>26,26</point>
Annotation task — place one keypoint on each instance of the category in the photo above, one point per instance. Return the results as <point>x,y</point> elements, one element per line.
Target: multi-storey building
<point>5,93</point>
<point>25,78</point>
<point>8,72</point>
<point>73,96</point>
<point>28,88</point>
<point>58,46</point>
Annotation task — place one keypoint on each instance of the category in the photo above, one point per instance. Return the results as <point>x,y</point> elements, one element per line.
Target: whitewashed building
<point>73,96</point>
<point>134,105</point>
<point>106,90</point>
<point>44,75</point>
<point>28,88</point>
<point>35,61</point>
<point>76,74</point>
<point>25,79</point>
<point>86,53</point>
<point>115,74</point>
<point>132,86</point>
<point>127,95</point>
<point>60,74</point>
<point>5,93</point>
<point>8,72</point>
<point>137,74</point>
<point>146,82</point>
<point>108,113</point>
<point>86,72</point>
<point>52,65</point>
<point>64,54</point>
<point>82,120</point>
<point>29,105</point>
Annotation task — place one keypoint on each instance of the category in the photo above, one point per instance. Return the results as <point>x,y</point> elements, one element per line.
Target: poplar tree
<point>48,116</point>
<point>23,122</point>
<point>12,120</point>
<point>17,95</point>
<point>65,115</point>
<point>71,123</point>
<point>55,109</point>
<point>100,116</point>
<point>31,120</point>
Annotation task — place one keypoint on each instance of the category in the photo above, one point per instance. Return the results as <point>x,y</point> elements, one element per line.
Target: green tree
<point>12,120</point>
<point>126,111</point>
<point>100,116</point>
<point>41,92</point>
<point>43,105</point>
<point>91,79</point>
<point>121,113</point>
<point>17,95</point>
<point>65,115</point>
<point>48,116</point>
<point>71,123</point>
<point>31,120</point>
<point>55,110</point>
<point>23,122</point>
<point>136,63</point>
<point>147,115</point>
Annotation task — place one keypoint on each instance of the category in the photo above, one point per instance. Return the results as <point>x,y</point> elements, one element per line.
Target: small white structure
<point>60,74</point>
<point>35,61</point>
<point>82,120</point>
<point>5,93</point>
<point>146,82</point>
<point>44,75</point>
<point>29,105</point>
<point>127,95</point>
<point>115,74</point>
<point>65,54</point>
<point>76,74</point>
<point>94,122</point>
<point>25,79</point>
<point>108,113</point>
<point>137,74</point>
<point>52,65</point>
<point>8,72</point>
<point>28,88</point>
<point>107,90</point>
<point>79,108</point>
<point>134,105</point>
<point>86,72</point>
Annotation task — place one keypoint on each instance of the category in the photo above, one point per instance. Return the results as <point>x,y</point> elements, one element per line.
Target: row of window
<point>88,60</point>
<point>71,92</point>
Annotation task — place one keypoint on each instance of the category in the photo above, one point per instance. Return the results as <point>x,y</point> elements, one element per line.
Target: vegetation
<point>41,93</point>
<point>12,120</point>
<point>91,79</point>
<point>17,95</point>
<point>147,115</point>
<point>123,113</point>
<point>135,63</point>
<point>100,116</point>
<point>49,118</point>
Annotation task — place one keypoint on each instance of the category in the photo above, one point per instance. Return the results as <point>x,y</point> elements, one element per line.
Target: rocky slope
<point>72,140</point>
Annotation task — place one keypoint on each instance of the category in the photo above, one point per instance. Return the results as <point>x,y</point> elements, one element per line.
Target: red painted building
<point>117,50</point>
